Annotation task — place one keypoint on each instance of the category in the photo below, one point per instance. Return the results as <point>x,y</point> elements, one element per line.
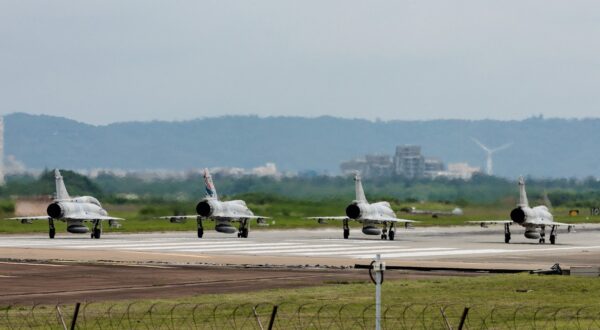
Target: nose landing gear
<point>384,231</point>
<point>243,231</point>
<point>97,229</point>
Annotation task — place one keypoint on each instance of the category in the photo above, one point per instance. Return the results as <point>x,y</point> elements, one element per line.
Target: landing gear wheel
<point>96,233</point>
<point>507,238</point>
<point>346,233</point>
<point>542,240</point>
<point>391,235</point>
<point>51,232</point>
<point>552,239</point>
<point>245,233</point>
<point>383,236</point>
<point>200,232</point>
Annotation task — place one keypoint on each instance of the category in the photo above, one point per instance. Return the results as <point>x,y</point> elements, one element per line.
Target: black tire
<point>51,233</point>
<point>200,232</point>
<point>97,233</point>
<point>391,235</point>
<point>553,239</point>
<point>346,233</point>
<point>542,241</point>
<point>507,238</point>
<point>383,236</point>
<point>245,233</point>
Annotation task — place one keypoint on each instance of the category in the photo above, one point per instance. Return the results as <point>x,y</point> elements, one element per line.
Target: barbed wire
<point>288,315</point>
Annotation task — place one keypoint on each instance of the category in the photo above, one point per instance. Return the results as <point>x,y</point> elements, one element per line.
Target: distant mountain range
<point>541,147</point>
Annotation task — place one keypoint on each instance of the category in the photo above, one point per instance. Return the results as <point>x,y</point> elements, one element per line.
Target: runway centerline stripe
<point>213,248</point>
<point>356,249</point>
<point>382,252</point>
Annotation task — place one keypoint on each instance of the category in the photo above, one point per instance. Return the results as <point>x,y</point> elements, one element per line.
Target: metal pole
<point>463,318</point>
<point>377,291</point>
<point>273,315</point>
<point>75,314</point>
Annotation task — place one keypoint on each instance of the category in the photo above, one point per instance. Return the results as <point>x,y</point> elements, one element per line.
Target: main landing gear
<point>200,228</point>
<point>553,234</point>
<point>388,233</point>
<point>346,229</point>
<point>392,232</point>
<point>243,231</point>
<point>97,229</point>
<point>51,229</point>
<point>507,233</point>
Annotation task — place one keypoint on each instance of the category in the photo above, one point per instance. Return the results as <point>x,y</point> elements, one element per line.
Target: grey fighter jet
<point>369,214</point>
<point>75,211</point>
<point>534,219</point>
<point>223,213</point>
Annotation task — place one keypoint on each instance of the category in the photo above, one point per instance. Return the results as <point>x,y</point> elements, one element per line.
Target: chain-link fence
<point>294,316</point>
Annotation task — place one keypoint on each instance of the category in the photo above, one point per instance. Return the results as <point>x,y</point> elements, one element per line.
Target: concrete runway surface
<point>457,246</point>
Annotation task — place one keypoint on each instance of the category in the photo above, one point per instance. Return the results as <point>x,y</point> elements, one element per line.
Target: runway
<point>434,246</point>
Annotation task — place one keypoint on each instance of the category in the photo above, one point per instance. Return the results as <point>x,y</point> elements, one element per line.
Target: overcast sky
<point>107,60</point>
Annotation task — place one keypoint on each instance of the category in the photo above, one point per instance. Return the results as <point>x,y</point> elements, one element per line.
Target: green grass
<point>498,301</point>
<point>285,214</point>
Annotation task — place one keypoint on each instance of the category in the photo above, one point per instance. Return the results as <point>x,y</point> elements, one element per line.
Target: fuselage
<point>223,213</point>
<point>78,207</point>
<point>530,218</point>
<point>360,211</point>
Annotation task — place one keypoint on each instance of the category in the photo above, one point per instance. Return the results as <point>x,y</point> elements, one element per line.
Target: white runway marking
<point>309,244</point>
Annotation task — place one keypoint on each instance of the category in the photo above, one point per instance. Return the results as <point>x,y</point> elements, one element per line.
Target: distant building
<point>433,166</point>
<point>460,171</point>
<point>370,166</point>
<point>351,166</point>
<point>408,161</point>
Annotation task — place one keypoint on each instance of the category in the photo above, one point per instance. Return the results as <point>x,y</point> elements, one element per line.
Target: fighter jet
<point>223,213</point>
<point>74,211</point>
<point>370,215</point>
<point>534,219</point>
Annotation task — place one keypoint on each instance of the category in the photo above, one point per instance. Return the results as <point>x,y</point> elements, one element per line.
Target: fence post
<point>75,313</point>
<point>273,315</point>
<point>378,268</point>
<point>61,318</point>
<point>463,318</point>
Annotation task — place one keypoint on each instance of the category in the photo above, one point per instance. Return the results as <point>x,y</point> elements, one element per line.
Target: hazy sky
<point>105,61</point>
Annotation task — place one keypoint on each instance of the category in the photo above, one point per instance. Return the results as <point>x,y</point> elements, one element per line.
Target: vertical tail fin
<point>208,183</point>
<point>61,190</point>
<point>360,193</point>
<point>523,202</point>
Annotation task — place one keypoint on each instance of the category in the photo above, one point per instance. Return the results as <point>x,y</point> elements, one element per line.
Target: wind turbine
<point>489,163</point>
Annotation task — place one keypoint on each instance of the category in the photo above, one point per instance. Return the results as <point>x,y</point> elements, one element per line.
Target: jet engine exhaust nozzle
<point>204,209</point>
<point>55,211</point>
<point>353,211</point>
<point>517,215</point>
